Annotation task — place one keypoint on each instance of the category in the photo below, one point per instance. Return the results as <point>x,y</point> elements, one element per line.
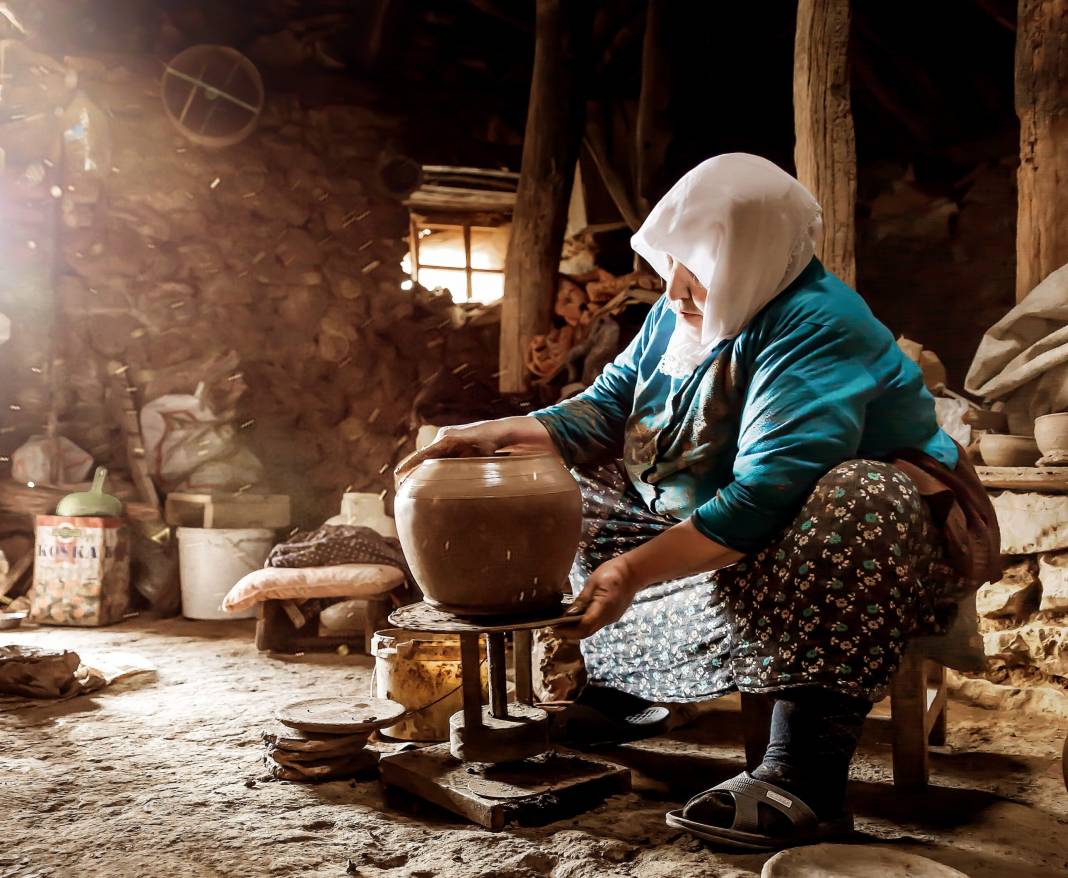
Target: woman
<point>745,526</point>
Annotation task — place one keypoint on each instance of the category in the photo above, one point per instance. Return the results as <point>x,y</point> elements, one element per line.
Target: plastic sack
<point>154,567</point>
<point>32,461</point>
<point>182,433</point>
<point>241,469</point>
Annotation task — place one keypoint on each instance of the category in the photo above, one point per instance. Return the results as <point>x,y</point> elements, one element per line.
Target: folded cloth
<point>962,509</point>
<point>334,544</point>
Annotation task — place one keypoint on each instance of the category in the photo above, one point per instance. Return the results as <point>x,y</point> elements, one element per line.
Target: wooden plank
<point>908,706</point>
<point>825,148</point>
<point>550,150</point>
<point>530,793</point>
<point>1042,106</point>
<point>1024,478</point>
<point>189,509</point>
<point>937,704</point>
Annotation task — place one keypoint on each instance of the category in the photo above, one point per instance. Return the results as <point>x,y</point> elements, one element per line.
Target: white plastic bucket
<point>210,563</point>
<point>421,672</point>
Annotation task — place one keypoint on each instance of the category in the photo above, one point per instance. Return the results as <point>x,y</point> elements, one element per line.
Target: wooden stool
<point>917,719</point>
<point>282,628</point>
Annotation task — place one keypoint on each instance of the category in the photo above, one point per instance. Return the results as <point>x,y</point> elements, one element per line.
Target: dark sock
<point>814,733</point>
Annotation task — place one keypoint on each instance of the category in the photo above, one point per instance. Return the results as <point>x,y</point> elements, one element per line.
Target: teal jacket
<point>814,380</point>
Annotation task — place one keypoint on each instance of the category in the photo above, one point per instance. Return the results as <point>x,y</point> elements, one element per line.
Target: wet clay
<point>497,538</point>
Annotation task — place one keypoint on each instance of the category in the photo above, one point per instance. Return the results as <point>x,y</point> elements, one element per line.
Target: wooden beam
<point>550,150</point>
<point>654,125</point>
<point>1042,105</point>
<point>825,150</point>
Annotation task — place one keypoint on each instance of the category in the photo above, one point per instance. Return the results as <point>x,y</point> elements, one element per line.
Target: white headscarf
<point>746,229</point>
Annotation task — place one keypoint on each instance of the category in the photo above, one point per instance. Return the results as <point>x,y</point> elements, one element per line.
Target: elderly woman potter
<point>754,469</point>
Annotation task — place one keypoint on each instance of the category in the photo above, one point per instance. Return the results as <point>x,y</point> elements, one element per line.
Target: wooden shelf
<point>1048,479</point>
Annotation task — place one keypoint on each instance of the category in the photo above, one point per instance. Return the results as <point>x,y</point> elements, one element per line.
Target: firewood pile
<point>588,336</point>
<point>278,258</point>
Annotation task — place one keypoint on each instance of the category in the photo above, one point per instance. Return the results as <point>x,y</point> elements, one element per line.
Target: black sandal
<point>744,833</point>
<point>602,717</point>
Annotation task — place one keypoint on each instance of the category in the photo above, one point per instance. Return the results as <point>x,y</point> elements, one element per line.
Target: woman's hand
<point>679,551</point>
<point>480,439</point>
<point>609,590</point>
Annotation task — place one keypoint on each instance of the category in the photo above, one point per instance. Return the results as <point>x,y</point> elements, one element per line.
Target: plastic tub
<point>212,560</point>
<point>421,672</point>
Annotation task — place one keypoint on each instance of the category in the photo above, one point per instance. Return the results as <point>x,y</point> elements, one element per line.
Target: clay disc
<point>339,716</point>
<point>852,861</point>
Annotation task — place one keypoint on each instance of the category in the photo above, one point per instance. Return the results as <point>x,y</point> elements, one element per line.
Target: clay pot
<point>1051,433</point>
<point>999,450</point>
<point>490,535</point>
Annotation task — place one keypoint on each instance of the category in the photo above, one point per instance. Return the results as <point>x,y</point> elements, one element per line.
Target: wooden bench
<point>282,628</point>
<point>917,719</point>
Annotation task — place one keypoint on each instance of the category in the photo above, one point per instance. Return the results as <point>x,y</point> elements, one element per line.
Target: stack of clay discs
<point>325,738</point>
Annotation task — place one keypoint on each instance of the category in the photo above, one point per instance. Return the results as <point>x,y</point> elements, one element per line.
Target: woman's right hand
<point>480,439</point>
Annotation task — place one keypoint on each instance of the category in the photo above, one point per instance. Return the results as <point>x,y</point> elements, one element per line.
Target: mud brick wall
<point>269,269</point>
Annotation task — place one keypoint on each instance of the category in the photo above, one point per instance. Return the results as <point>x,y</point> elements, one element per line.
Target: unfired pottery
<point>1051,433</point>
<point>999,450</point>
<point>490,535</point>
<point>853,861</point>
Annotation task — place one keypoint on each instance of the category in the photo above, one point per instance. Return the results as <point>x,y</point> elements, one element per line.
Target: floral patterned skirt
<point>830,602</point>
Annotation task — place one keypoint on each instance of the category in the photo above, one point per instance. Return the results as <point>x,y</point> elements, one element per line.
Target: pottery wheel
<point>426,618</point>
<point>852,861</point>
<point>340,716</point>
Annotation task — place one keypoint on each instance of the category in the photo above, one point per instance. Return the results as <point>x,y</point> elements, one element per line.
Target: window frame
<point>465,228</point>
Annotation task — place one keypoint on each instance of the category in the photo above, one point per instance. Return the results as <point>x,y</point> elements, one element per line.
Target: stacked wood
<point>584,303</point>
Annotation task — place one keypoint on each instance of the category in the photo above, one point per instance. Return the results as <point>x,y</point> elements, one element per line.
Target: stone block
<point>1014,595</point>
<point>1053,574</point>
<point>1037,644</point>
<point>1032,523</point>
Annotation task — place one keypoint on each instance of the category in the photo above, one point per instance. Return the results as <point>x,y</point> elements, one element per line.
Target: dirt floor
<point>161,776</point>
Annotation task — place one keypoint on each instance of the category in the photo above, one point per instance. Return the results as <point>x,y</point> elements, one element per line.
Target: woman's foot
<point>746,813</point>
<point>719,808</point>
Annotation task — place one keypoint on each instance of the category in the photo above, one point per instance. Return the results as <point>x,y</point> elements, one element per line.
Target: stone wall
<point>1024,617</point>
<point>270,269</point>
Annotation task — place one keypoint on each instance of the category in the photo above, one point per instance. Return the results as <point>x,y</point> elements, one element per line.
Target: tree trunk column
<point>1042,105</point>
<point>825,151</point>
<point>550,149</point>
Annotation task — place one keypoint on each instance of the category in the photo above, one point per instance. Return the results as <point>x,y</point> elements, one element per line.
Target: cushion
<point>961,647</point>
<point>301,583</point>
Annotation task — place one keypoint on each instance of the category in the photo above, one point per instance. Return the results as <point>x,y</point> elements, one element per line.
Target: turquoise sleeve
<point>803,415</point>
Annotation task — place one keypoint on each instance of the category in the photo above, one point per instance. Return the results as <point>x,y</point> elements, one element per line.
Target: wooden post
<point>825,151</point>
<point>1042,105</point>
<point>550,150</point>
<point>653,123</point>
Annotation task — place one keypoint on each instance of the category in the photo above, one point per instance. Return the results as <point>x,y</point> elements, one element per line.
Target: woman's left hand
<point>609,590</point>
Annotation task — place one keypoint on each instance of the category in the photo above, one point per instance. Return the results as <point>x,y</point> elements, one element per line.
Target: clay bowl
<point>999,450</point>
<point>490,535</point>
<point>1051,433</point>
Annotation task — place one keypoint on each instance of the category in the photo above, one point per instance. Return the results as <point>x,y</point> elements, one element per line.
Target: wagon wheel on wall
<point>213,95</point>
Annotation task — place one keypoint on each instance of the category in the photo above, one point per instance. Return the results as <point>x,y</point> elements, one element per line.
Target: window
<point>465,259</point>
